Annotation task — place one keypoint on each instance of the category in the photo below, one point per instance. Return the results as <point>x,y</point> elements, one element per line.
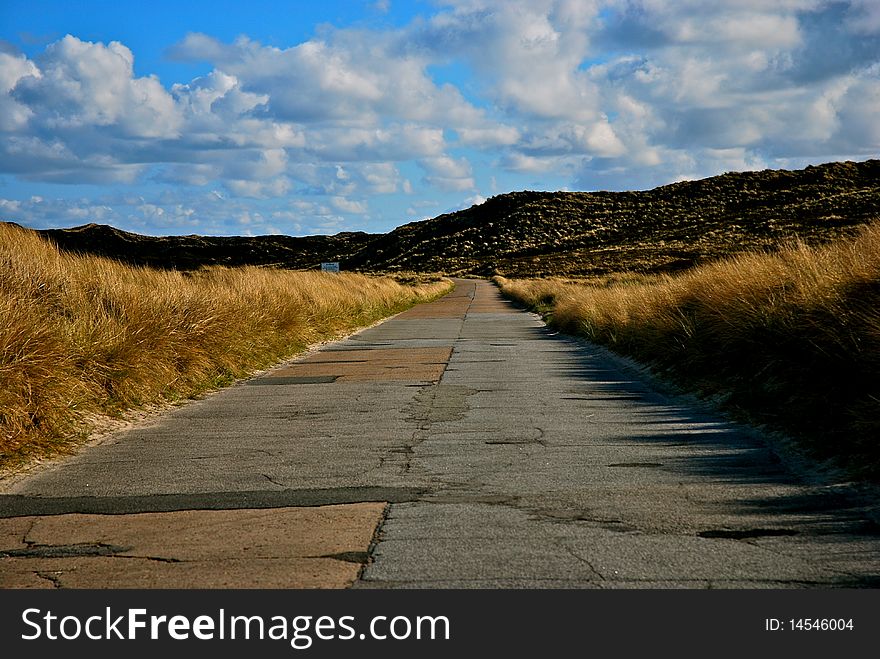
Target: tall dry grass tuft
<point>84,335</point>
<point>792,338</point>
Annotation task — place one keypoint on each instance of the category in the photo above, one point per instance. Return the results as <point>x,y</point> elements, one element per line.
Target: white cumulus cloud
<point>591,93</point>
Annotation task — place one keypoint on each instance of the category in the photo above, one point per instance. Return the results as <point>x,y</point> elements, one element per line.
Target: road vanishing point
<point>459,444</point>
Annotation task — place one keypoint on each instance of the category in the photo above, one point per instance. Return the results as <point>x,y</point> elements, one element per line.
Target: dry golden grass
<point>792,338</point>
<point>85,335</point>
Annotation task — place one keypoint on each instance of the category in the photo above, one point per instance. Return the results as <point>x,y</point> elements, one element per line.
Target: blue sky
<point>261,117</point>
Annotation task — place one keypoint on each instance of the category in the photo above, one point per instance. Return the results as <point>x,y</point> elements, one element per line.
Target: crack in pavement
<point>433,404</point>
<point>374,542</point>
<point>158,559</point>
<point>81,549</point>
<point>273,481</point>
<point>583,560</point>
<point>359,557</point>
<point>30,528</point>
<point>55,580</point>
<point>519,442</point>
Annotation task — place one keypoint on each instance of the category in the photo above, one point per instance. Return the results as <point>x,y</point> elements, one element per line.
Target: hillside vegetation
<point>82,335</point>
<point>530,234</point>
<point>790,339</point>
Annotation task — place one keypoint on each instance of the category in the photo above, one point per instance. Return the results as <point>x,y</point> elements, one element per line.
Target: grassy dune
<point>789,339</point>
<point>81,336</point>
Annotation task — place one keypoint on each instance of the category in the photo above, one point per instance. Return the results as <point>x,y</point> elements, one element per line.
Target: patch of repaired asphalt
<point>421,364</point>
<point>453,305</point>
<point>316,547</point>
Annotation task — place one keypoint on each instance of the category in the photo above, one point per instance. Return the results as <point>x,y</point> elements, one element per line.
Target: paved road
<point>459,444</point>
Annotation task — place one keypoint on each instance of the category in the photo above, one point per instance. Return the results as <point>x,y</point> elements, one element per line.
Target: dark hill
<point>190,252</point>
<point>540,233</point>
<point>670,227</point>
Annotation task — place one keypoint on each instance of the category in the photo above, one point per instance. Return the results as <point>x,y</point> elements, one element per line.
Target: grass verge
<point>789,339</point>
<point>82,335</point>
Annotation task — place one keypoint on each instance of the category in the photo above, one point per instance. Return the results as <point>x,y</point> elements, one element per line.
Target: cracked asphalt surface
<point>459,444</point>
